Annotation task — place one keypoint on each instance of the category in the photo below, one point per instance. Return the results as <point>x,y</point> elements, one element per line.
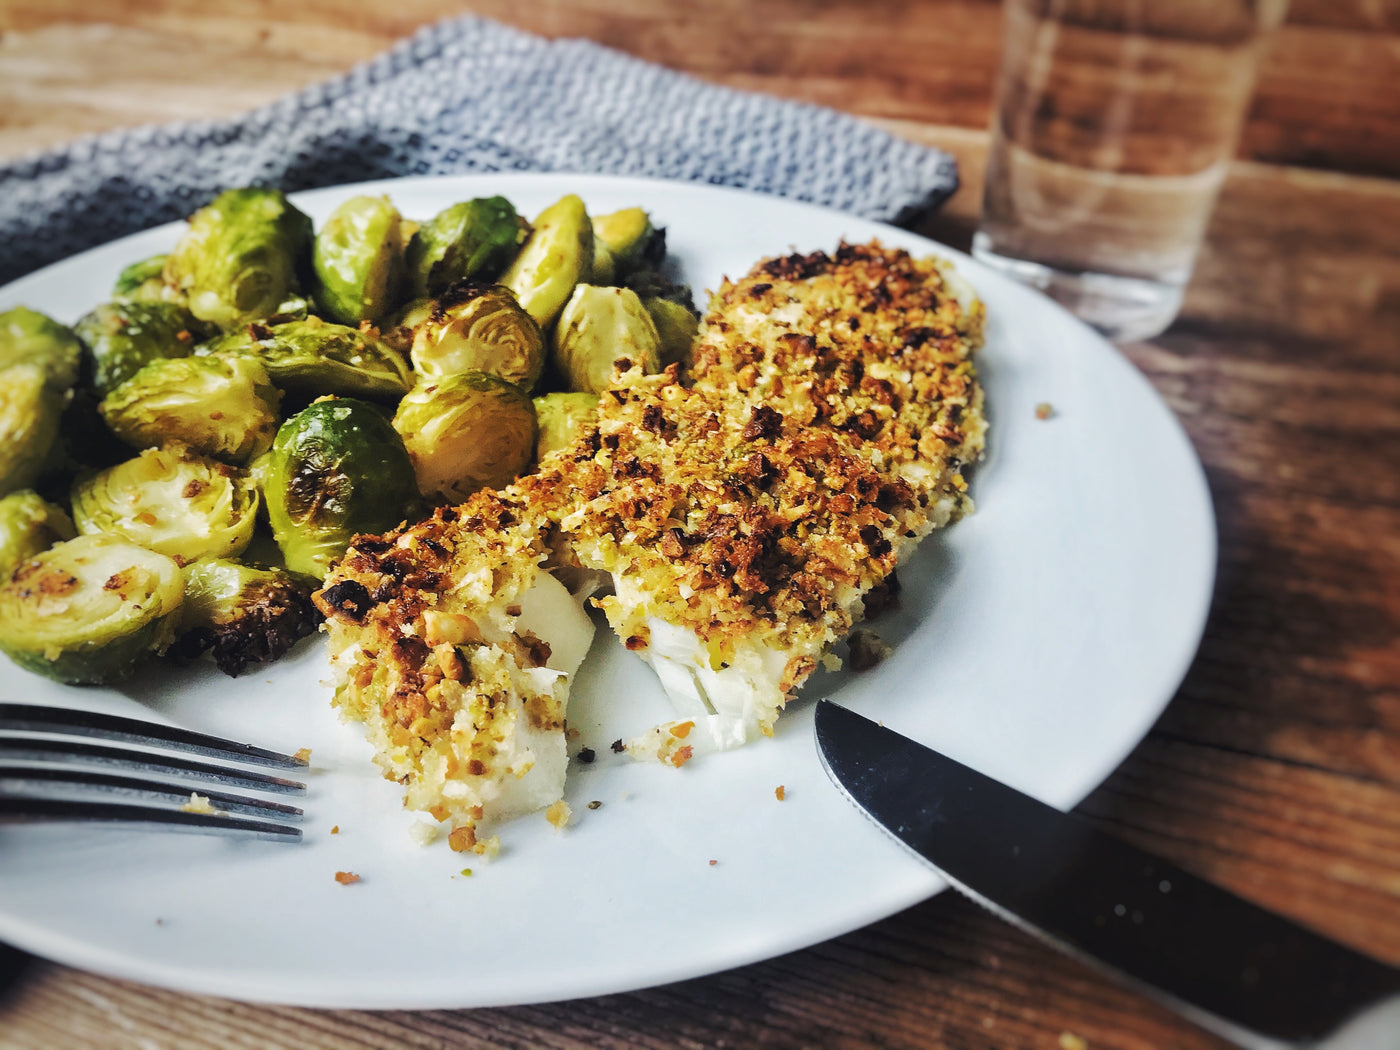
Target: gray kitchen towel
<point>467,95</point>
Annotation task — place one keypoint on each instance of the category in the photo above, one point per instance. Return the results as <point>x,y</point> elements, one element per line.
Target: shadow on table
<point>14,966</point>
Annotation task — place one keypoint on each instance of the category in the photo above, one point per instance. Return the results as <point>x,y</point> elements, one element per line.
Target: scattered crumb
<point>467,872</point>
<point>558,814</point>
<point>587,755</point>
<point>335,829</point>
<point>160,922</point>
<point>1070,1041</point>
<point>618,747</point>
<point>595,804</point>
<point>867,649</point>
<point>198,804</point>
<point>780,793</point>
<point>1045,410</point>
<point>830,662</point>
<point>713,863</point>
<point>420,831</point>
<point>570,733</point>
<point>303,754</point>
<point>345,878</point>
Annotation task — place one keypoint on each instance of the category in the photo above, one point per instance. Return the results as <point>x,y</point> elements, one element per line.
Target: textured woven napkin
<point>467,95</point>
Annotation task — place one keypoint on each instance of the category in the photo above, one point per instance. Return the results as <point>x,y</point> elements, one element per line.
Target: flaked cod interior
<point>734,520</point>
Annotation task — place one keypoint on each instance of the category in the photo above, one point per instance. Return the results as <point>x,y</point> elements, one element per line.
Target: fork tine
<point>53,779</point>
<point>39,719</point>
<point>37,749</point>
<point>33,810</point>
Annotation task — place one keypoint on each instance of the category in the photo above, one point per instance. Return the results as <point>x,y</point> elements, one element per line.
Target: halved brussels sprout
<point>358,260</point>
<point>557,256</point>
<point>480,328</point>
<point>29,524</point>
<point>561,418</point>
<point>123,337</point>
<point>225,407</point>
<point>338,468</point>
<point>631,239</point>
<point>601,326</point>
<point>465,432</point>
<point>242,615</point>
<point>472,239</point>
<point>241,256</point>
<point>317,358</point>
<point>29,337</point>
<point>170,500</point>
<point>676,327</point>
<point>143,280</point>
<point>30,411</point>
<point>398,330</point>
<point>89,609</point>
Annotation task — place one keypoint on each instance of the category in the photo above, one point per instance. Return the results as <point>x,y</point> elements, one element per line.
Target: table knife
<point>1245,973</point>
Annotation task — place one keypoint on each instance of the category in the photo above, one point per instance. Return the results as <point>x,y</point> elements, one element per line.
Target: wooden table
<point>1276,769</point>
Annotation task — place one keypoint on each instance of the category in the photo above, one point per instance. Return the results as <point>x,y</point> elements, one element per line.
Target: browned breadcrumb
<point>335,829</point>
<point>303,754</point>
<point>345,878</point>
<point>1044,410</point>
<point>780,793</point>
<point>595,804</point>
<point>713,863</point>
<point>558,814</point>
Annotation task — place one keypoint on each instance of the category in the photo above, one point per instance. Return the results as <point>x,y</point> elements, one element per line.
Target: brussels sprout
<point>225,407</point>
<point>561,418</point>
<point>604,269</point>
<point>30,411</point>
<point>27,336</point>
<point>123,337</point>
<point>29,524</point>
<point>557,256</point>
<point>397,331</point>
<point>480,328</point>
<point>475,238</point>
<point>338,468</point>
<point>242,615</point>
<point>241,256</point>
<point>170,500</point>
<point>598,327</point>
<point>89,609</point>
<point>653,284</point>
<point>142,280</point>
<point>358,260</point>
<point>316,358</point>
<point>631,240</point>
<point>676,327</point>
<point>467,431</point>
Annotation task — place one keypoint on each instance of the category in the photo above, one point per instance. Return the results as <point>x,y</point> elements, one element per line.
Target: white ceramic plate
<point>1037,640</point>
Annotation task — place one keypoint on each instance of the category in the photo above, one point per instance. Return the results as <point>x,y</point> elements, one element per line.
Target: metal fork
<point>46,775</point>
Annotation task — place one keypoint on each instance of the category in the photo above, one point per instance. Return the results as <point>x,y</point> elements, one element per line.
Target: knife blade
<point>1245,973</point>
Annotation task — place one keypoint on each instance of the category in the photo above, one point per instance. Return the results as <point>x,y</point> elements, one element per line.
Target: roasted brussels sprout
<point>225,407</point>
<point>467,431</point>
<point>604,269</point>
<point>473,239</point>
<point>123,337</point>
<point>30,411</point>
<point>29,337</point>
<point>338,467</point>
<point>676,327</point>
<point>29,524</point>
<point>170,500</point>
<point>89,609</point>
<point>599,327</point>
<point>556,257</point>
<point>241,615</point>
<point>143,280</point>
<point>316,358</point>
<point>397,330</point>
<point>358,261</point>
<point>561,418</point>
<point>631,240</point>
<point>243,254</point>
<point>480,328</point>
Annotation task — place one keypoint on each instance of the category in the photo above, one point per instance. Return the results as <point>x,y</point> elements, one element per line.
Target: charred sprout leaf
<point>338,467</point>
<point>465,432</point>
<point>225,407</point>
<point>358,261</point>
<point>123,337</point>
<point>317,358</point>
<point>599,328</point>
<point>29,525</point>
<point>29,337</point>
<point>473,239</point>
<point>676,327</point>
<point>243,616</point>
<point>243,254</point>
<point>631,240</point>
<point>398,330</point>
<point>143,280</point>
<point>170,500</point>
<point>479,328</point>
<point>653,284</point>
<point>562,418</point>
<point>557,256</point>
<point>89,609</point>
<point>30,411</point>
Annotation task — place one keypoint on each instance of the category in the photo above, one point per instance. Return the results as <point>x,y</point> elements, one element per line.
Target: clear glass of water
<point>1114,124</point>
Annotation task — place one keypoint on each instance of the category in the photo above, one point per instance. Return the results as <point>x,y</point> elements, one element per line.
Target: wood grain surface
<point>1276,769</point>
